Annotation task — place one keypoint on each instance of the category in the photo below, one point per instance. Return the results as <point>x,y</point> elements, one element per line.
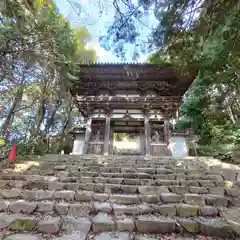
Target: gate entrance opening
<point>126,143</point>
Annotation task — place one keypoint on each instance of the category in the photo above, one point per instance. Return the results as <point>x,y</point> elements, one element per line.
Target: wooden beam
<point>128,98</point>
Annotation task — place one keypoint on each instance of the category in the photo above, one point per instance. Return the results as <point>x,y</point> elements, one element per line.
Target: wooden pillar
<point>107,136</point>
<point>147,132</point>
<point>88,134</point>
<point>166,130</point>
<point>142,143</point>
<point>111,141</point>
<point>167,133</point>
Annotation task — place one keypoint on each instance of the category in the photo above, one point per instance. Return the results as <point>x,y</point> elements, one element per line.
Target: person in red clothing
<point>12,153</point>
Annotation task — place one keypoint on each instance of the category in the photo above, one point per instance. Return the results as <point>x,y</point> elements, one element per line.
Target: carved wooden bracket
<point>111,86</point>
<point>143,88</point>
<point>108,110</point>
<point>127,116</point>
<point>146,110</point>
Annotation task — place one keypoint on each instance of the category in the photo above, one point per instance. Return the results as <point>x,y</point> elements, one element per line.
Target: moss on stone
<point>168,210</point>
<point>178,189</point>
<point>190,226</point>
<point>23,224</point>
<point>185,210</point>
<point>37,185</point>
<point>195,172</point>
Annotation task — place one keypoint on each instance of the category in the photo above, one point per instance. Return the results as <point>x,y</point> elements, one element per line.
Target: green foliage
<point>10,238</point>
<point>2,141</point>
<point>160,59</point>
<point>209,47</point>
<point>183,124</point>
<point>39,54</point>
<point>122,136</point>
<point>33,146</point>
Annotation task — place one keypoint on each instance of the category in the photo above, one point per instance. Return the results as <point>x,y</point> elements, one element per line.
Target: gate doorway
<point>127,143</point>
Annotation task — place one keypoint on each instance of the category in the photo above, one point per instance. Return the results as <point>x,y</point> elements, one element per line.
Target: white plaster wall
<point>178,147</point>
<point>78,144</point>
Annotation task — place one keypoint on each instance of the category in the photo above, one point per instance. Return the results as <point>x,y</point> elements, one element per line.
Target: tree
<point>197,37</point>
<point>40,55</point>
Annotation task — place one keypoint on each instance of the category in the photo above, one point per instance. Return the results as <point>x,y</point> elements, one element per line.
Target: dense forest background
<point>39,53</point>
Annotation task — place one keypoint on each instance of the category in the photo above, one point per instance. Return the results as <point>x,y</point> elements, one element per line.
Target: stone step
<point>104,160</point>
<point>79,235</point>
<point>116,172</point>
<point>162,176</point>
<point>110,197</point>
<point>188,167</point>
<point>146,195</point>
<point>128,169</point>
<point>88,204</point>
<point>103,222</point>
<point>92,156</point>
<point>124,185</point>
<point>124,164</point>
<point>11,179</point>
<point>115,160</point>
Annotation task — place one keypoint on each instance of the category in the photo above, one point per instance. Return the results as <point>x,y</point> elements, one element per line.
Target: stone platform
<point>97,197</point>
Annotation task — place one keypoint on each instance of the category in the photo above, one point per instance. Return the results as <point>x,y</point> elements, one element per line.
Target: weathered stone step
<point>114,164</point>
<point>78,235</point>
<point>214,186</point>
<point>115,161</point>
<point>169,176</point>
<point>228,174</point>
<point>147,195</point>
<point>102,222</point>
<point>129,169</point>
<point>89,157</point>
<point>89,205</point>
<point>141,173</point>
<point>150,168</point>
<point>104,160</point>
<point>126,186</point>
<point>97,194</point>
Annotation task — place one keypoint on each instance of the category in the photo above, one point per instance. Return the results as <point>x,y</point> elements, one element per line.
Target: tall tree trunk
<point>224,97</point>
<point>66,127</point>
<point>40,117</point>
<point>11,114</point>
<point>50,120</point>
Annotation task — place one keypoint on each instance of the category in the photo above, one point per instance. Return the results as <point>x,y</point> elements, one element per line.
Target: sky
<point>96,15</point>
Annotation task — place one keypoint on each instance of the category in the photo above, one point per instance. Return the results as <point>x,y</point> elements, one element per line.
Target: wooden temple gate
<point>138,98</point>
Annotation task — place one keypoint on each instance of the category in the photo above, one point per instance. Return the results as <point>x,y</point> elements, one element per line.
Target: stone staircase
<point>121,197</point>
